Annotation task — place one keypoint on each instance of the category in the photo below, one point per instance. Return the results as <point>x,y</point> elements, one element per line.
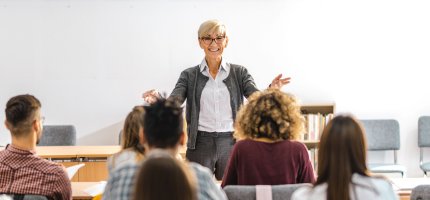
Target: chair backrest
<point>248,192</point>
<point>120,137</point>
<point>424,131</point>
<point>58,135</point>
<point>421,192</point>
<point>382,134</point>
<point>22,197</point>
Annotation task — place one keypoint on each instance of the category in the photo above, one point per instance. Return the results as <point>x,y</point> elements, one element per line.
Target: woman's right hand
<point>150,96</point>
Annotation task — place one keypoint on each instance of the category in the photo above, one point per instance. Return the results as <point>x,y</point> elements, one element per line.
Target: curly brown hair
<point>270,114</point>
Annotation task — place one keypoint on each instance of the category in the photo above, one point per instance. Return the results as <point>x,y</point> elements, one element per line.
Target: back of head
<point>163,123</point>
<point>270,114</point>
<point>164,178</point>
<point>342,152</point>
<point>132,127</point>
<point>21,111</point>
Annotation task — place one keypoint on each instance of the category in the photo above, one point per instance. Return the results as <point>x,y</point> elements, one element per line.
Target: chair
<point>384,135</point>
<point>421,192</point>
<point>248,192</point>
<point>120,137</point>
<point>424,140</point>
<point>58,135</point>
<point>22,197</point>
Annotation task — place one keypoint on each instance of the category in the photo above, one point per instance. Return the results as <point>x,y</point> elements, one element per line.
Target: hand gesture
<point>150,96</point>
<point>278,82</point>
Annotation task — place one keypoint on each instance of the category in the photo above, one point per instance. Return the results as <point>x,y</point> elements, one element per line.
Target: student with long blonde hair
<point>342,170</point>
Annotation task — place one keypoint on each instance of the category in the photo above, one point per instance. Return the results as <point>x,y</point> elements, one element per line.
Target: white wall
<point>88,61</point>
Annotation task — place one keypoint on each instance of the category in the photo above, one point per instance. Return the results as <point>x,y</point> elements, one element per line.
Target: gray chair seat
<point>388,168</point>
<point>22,197</point>
<point>425,166</point>
<point>248,192</point>
<point>58,135</point>
<point>421,192</point>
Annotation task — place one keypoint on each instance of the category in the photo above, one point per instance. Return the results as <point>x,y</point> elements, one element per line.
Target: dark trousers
<point>212,151</point>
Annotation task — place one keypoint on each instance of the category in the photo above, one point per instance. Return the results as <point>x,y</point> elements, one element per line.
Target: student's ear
<point>37,126</point>
<point>183,139</point>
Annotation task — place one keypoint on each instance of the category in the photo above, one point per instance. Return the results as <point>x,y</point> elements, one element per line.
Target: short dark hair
<point>20,112</point>
<point>163,123</point>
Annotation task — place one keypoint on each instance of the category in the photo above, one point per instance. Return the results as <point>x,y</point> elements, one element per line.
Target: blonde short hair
<point>211,26</point>
<point>270,114</point>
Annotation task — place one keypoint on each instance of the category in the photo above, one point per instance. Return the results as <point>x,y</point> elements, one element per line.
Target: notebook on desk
<point>71,171</point>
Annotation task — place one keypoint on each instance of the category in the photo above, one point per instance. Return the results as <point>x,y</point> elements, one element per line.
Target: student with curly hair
<point>266,153</point>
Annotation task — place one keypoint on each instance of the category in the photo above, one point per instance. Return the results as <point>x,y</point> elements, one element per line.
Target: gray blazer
<point>190,85</point>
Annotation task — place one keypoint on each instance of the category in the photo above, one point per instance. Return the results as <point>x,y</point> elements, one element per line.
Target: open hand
<point>150,96</point>
<point>278,82</point>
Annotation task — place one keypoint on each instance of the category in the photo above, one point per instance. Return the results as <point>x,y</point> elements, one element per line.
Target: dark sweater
<point>260,163</point>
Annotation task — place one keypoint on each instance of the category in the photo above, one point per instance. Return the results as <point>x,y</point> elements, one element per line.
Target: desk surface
<point>79,187</point>
<point>76,151</point>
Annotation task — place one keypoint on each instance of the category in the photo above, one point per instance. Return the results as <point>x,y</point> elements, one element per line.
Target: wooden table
<point>78,190</point>
<point>94,158</point>
<point>77,152</point>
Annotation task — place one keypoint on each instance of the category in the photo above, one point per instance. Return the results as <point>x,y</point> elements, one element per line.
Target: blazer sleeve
<point>181,87</point>
<point>248,83</point>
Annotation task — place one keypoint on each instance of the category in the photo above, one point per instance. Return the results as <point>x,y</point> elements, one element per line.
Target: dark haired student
<point>21,170</point>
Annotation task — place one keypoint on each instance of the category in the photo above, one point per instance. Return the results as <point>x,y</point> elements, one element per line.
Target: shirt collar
<point>14,149</point>
<point>224,65</point>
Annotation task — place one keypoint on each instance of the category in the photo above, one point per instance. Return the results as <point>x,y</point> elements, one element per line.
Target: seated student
<point>21,170</point>
<point>163,177</point>
<point>132,151</point>
<point>131,144</point>
<point>342,170</point>
<point>266,153</point>
<point>163,129</point>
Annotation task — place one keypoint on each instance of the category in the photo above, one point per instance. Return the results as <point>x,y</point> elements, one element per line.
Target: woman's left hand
<point>278,82</point>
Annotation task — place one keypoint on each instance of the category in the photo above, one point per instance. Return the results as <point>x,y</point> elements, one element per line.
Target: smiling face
<point>213,39</point>
<point>213,45</point>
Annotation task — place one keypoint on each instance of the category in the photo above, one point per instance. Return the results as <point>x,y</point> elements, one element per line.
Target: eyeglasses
<point>208,40</point>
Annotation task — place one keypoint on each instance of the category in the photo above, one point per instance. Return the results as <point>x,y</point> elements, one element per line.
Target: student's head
<point>23,116</point>
<point>163,124</point>
<point>270,114</point>
<point>163,177</point>
<point>342,152</point>
<point>133,129</point>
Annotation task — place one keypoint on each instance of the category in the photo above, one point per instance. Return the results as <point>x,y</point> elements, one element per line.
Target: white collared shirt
<point>215,109</point>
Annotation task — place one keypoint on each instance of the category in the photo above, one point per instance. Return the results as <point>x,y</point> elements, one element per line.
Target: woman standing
<point>214,91</point>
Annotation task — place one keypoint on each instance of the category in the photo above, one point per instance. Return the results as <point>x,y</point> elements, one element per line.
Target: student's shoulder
<point>302,193</point>
<point>296,144</point>
<point>199,170</point>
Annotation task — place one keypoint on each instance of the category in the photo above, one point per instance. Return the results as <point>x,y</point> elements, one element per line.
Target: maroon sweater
<point>260,163</point>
